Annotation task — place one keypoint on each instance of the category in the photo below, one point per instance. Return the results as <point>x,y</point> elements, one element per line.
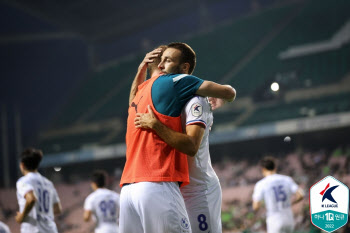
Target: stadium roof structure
<point>101,21</point>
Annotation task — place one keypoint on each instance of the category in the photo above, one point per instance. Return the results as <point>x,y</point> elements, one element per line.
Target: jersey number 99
<point>108,207</point>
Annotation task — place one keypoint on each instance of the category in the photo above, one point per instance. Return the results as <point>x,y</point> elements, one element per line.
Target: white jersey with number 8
<point>203,195</point>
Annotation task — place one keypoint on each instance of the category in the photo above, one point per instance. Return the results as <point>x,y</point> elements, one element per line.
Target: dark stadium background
<point>48,49</point>
<point>66,68</point>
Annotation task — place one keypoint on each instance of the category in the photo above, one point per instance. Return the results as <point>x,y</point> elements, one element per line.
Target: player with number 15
<point>277,191</point>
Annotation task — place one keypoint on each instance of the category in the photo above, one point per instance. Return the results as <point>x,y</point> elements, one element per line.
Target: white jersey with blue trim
<point>41,217</point>
<point>198,111</point>
<point>104,205</point>
<point>276,190</point>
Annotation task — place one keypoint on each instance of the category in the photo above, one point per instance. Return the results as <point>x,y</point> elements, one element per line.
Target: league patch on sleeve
<point>196,109</point>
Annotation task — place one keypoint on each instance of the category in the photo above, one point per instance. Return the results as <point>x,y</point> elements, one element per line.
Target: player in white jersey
<point>37,197</point>
<point>4,228</point>
<point>103,204</point>
<point>203,195</point>
<point>277,192</point>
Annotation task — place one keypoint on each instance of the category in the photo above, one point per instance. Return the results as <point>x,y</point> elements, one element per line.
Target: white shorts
<point>107,228</point>
<point>31,228</point>
<point>153,207</point>
<point>280,223</point>
<point>204,208</point>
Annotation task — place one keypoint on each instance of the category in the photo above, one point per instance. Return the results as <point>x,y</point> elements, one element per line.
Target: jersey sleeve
<point>293,186</point>
<point>258,192</point>
<point>186,85</point>
<point>88,203</point>
<point>55,198</point>
<point>196,111</point>
<point>171,92</point>
<point>23,187</point>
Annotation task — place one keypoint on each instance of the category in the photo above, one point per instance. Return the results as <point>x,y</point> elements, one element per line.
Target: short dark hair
<point>99,177</point>
<point>154,65</point>
<point>187,54</point>
<point>268,163</point>
<point>31,158</point>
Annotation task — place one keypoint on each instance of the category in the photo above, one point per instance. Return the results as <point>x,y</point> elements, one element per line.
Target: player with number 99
<point>103,204</point>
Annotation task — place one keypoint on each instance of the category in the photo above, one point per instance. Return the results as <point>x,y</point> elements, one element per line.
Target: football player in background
<point>277,192</point>
<point>37,197</point>
<point>103,204</point>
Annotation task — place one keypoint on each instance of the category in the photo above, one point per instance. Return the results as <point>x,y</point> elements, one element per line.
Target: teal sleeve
<point>171,92</point>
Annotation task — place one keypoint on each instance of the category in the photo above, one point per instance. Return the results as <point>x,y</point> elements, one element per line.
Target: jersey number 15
<point>280,194</point>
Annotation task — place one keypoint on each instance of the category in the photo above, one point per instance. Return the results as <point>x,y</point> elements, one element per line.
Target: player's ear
<point>185,67</point>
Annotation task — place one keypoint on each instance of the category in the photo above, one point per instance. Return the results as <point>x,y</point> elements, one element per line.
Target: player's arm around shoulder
<point>195,133</point>
<point>141,74</point>
<point>212,89</point>
<point>186,143</point>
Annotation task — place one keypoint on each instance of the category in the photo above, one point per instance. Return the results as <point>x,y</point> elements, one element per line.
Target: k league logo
<point>329,204</point>
<point>197,109</point>
<point>327,194</point>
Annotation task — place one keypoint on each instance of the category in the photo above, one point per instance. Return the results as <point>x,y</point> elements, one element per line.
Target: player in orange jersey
<point>151,200</point>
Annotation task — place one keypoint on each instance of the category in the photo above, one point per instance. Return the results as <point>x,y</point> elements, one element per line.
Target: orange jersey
<point>148,157</point>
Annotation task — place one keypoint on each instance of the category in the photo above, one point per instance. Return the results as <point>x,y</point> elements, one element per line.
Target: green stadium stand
<point>115,106</point>
<point>227,44</point>
<point>222,48</point>
<point>311,25</point>
<point>104,95</point>
<point>71,142</point>
<point>239,35</point>
<point>298,109</point>
<point>226,117</point>
<point>100,84</point>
